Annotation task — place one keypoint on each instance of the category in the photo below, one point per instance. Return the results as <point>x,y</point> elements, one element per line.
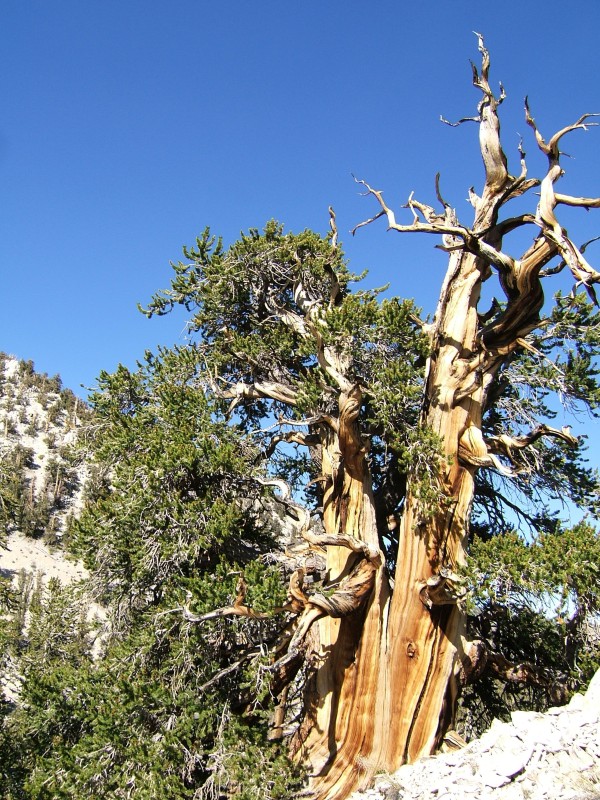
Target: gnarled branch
<point>436,226</point>
<point>527,673</point>
<point>477,657</point>
<point>505,444</point>
<point>348,597</point>
<point>443,589</point>
<point>260,390</point>
<point>475,451</point>
<point>583,273</point>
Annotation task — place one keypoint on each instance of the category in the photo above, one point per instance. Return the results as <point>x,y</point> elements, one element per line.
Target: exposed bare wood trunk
<point>424,632</point>
<point>383,686</point>
<point>340,724</point>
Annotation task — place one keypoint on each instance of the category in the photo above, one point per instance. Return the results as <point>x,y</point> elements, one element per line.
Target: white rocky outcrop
<point>551,756</point>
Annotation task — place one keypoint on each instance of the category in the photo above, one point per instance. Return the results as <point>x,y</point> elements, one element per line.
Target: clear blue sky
<point>129,125</point>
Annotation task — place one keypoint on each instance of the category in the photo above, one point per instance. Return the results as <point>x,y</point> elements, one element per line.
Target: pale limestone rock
<point>552,756</point>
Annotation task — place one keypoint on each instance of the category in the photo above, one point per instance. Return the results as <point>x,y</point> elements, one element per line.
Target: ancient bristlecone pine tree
<point>382,644</point>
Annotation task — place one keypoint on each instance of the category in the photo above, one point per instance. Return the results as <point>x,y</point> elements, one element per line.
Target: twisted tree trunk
<point>386,686</point>
<point>388,672</point>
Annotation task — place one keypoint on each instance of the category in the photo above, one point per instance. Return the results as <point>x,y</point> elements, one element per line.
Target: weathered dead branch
<point>582,271</point>
<point>236,609</point>
<point>505,444</point>
<point>475,451</point>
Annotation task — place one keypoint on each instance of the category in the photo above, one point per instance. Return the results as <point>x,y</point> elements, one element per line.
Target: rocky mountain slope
<point>41,474</point>
<point>42,484</point>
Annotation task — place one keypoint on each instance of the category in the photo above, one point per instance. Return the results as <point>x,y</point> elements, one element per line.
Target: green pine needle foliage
<point>178,516</point>
<point>536,602</point>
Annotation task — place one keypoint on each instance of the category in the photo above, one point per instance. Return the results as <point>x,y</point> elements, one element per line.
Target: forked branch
<point>433,224</point>
<point>582,271</point>
<point>505,444</point>
<point>475,451</point>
